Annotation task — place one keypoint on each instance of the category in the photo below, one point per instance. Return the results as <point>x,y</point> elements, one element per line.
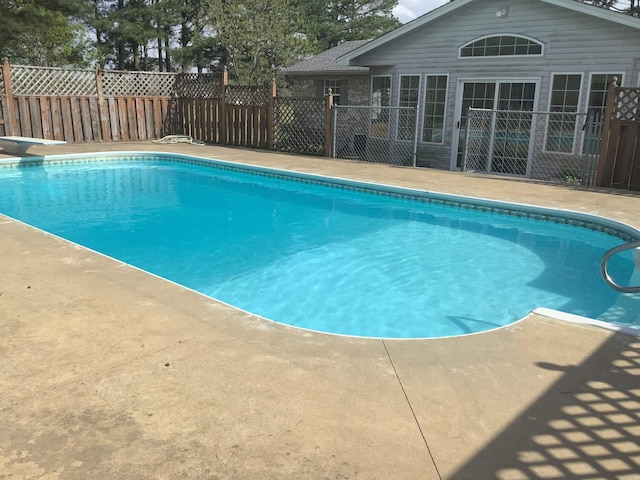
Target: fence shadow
<point>586,426</point>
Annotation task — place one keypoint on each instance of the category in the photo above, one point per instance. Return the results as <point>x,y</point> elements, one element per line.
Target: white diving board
<point>20,145</point>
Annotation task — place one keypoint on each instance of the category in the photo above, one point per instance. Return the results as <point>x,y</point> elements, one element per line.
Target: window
<point>518,96</point>
<point>409,90</point>
<point>380,100</point>
<point>561,128</point>
<point>434,104</point>
<point>501,46</point>
<point>409,93</point>
<point>599,87</point>
<point>334,85</point>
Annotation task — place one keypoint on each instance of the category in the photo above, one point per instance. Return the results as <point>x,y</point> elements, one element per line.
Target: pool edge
<point>572,318</point>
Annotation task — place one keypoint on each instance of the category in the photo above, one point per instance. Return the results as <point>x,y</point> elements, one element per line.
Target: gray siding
<point>573,43</point>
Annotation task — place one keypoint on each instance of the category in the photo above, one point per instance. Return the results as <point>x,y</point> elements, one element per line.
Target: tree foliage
<point>126,30</point>
<point>39,32</point>
<point>253,38</point>
<point>329,23</point>
<point>197,46</point>
<point>258,37</point>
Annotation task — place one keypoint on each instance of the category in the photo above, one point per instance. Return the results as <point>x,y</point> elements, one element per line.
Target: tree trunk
<point>121,54</point>
<point>136,55</point>
<point>120,43</point>
<point>160,61</point>
<point>167,58</point>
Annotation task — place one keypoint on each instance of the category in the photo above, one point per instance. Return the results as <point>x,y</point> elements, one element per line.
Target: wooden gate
<point>619,164</point>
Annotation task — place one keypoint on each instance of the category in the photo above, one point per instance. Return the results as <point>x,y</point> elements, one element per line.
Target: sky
<point>407,10</point>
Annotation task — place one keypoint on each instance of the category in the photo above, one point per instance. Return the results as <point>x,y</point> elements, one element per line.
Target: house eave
<point>449,7</point>
<point>597,12</point>
<point>403,30</point>
<point>342,72</point>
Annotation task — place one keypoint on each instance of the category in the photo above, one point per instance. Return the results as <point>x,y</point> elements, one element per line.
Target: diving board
<point>20,145</point>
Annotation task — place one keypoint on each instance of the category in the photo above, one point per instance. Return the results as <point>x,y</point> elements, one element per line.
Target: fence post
<point>10,125</point>
<point>223,107</point>
<point>606,127</point>
<point>327,124</point>
<point>102,107</point>
<point>271,116</point>
<point>414,153</point>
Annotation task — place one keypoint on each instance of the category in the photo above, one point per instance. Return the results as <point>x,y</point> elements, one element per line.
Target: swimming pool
<point>325,254</point>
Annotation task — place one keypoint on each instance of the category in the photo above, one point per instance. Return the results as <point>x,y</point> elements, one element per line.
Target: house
<point>518,55</point>
<point>314,76</point>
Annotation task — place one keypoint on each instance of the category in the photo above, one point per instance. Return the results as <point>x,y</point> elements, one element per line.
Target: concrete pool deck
<point>112,373</point>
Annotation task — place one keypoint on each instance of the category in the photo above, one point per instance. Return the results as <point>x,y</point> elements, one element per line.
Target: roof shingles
<point>326,61</point>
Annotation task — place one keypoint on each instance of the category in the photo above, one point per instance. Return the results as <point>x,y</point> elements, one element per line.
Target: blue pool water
<point>341,260</point>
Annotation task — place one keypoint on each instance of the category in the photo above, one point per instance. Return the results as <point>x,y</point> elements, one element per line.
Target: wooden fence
<point>87,119</point>
<point>108,106</point>
<point>213,121</point>
<point>619,163</point>
<point>80,110</point>
<point>241,116</point>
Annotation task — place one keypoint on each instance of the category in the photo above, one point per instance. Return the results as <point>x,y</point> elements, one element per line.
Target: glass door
<point>512,130</point>
<point>474,95</point>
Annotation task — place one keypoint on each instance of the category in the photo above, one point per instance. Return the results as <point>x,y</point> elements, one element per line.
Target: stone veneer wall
<point>357,89</point>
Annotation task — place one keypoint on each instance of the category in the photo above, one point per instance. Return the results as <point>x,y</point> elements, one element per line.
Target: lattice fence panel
<point>199,85</point>
<point>52,81</point>
<point>627,104</point>
<point>248,95</point>
<point>138,84</point>
<point>300,125</point>
<point>549,146</point>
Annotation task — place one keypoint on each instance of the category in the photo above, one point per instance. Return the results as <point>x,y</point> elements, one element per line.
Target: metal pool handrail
<point>605,274</point>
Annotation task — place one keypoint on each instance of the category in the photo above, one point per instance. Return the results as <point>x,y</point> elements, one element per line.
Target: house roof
<point>325,62</point>
<point>451,6</point>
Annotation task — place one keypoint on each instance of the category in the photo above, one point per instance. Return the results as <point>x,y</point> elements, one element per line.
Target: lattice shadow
<point>587,426</point>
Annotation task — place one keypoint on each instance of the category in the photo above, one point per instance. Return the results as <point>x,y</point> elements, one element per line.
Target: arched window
<point>501,46</point>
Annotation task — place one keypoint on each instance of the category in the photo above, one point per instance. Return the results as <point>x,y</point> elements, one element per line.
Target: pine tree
<point>328,23</point>
<point>44,32</point>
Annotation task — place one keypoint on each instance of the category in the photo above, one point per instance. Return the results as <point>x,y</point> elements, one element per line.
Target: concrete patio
<point>112,373</point>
